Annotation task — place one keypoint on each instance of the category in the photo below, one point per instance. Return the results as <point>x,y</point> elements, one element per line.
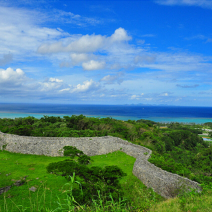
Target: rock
<point>19,183</point>
<point>33,189</point>
<point>5,189</point>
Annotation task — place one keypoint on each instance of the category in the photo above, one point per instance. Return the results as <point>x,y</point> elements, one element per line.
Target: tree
<point>93,180</point>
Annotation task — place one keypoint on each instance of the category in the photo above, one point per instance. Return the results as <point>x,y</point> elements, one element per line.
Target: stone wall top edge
<point>118,140</point>
<point>158,169</point>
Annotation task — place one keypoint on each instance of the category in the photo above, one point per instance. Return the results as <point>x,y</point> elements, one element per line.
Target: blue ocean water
<point>121,112</point>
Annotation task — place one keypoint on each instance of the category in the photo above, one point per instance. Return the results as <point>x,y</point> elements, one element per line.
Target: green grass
<point>51,189</point>
<point>17,166</point>
<point>123,161</point>
<point>191,202</point>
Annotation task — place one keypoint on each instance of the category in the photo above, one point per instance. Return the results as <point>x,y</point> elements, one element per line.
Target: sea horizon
<point>164,114</point>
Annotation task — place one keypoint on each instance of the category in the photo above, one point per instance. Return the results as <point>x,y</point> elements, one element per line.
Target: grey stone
<point>33,189</point>
<point>19,183</point>
<point>5,189</point>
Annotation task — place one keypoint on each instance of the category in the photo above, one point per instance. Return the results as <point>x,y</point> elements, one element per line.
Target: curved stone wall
<point>162,182</point>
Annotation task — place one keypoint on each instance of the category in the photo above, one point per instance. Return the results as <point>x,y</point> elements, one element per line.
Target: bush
<point>92,180</point>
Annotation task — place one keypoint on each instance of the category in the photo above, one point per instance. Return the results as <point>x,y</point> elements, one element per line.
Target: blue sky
<point>106,52</point>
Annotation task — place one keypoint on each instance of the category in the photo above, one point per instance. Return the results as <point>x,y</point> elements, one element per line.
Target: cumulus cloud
<point>120,34</point>
<point>85,43</point>
<point>48,86</point>
<point>86,86</point>
<point>86,50</point>
<point>7,58</point>
<point>187,86</point>
<point>93,65</point>
<point>12,76</point>
<point>51,84</point>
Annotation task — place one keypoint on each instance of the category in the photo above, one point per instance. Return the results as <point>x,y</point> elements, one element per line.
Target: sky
<point>151,52</point>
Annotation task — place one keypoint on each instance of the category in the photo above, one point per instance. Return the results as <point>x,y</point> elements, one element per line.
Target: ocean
<point>122,112</point>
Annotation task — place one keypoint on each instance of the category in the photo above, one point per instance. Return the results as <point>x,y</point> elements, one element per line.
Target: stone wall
<point>162,182</point>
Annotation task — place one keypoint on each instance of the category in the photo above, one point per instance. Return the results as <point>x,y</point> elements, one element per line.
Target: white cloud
<point>85,43</point>
<point>93,65</point>
<point>164,94</point>
<point>110,79</point>
<point>86,86</point>
<point>78,58</point>
<point>137,97</point>
<point>71,18</point>
<point>12,76</point>
<point>20,33</point>
<point>177,62</point>
<point>51,84</point>
<point>65,89</point>
<point>201,3</point>
<point>120,34</point>
<point>55,80</point>
<point>134,97</point>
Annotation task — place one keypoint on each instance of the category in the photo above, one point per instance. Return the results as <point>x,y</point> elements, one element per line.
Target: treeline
<point>75,126</point>
<point>180,150</point>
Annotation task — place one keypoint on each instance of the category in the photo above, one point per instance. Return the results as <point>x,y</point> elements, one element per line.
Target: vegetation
<point>54,192</point>
<point>92,181</point>
<point>177,148</point>
<point>74,126</point>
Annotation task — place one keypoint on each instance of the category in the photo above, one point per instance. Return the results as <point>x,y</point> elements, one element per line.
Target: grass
<point>51,191</point>
<point>192,202</point>
<point>15,166</point>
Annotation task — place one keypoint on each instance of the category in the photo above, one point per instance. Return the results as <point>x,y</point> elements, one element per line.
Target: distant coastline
<point>122,112</point>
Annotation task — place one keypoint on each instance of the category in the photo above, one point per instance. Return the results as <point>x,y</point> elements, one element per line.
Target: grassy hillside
<point>51,189</point>
<point>176,148</point>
